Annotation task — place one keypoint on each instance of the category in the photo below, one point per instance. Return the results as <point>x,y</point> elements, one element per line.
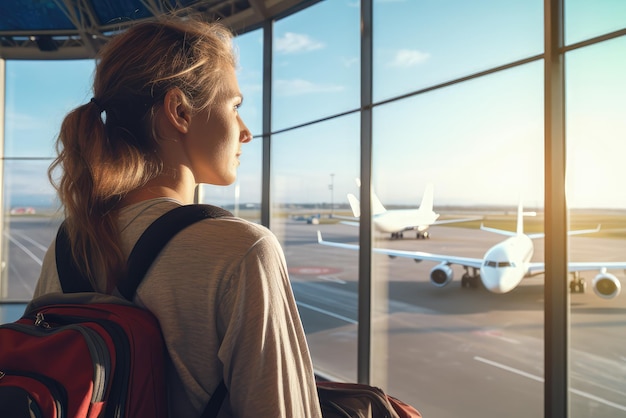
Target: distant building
<point>28,210</point>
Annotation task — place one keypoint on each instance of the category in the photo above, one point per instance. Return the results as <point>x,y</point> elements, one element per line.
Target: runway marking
<point>320,310</point>
<point>26,250</point>
<point>32,241</point>
<point>542,380</point>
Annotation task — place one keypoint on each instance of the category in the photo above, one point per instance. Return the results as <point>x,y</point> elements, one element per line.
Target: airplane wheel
<point>474,281</point>
<point>465,281</point>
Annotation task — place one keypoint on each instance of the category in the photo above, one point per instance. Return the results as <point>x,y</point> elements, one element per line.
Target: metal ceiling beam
<point>88,35</point>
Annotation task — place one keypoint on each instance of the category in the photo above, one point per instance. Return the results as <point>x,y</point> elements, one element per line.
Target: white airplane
<point>505,264</point>
<point>398,221</point>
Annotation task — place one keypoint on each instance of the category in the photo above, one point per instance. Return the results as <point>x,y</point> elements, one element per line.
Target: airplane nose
<point>499,280</point>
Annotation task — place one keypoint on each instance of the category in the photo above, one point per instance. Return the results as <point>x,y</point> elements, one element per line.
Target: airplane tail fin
<point>427,199</point>
<point>377,206</point>
<point>354,205</point>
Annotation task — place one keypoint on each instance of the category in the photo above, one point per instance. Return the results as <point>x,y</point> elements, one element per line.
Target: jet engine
<point>606,285</point>
<point>441,275</point>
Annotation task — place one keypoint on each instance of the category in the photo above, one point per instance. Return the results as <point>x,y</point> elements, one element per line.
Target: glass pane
<point>30,223</point>
<point>596,129</point>
<point>243,198</point>
<point>423,43</point>
<point>445,342</point>
<point>586,19</point>
<point>313,169</point>
<point>38,96</point>
<point>249,49</point>
<point>316,63</point>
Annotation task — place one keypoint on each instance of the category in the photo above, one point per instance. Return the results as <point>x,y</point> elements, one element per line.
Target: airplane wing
<point>415,255</point>
<point>596,265</point>
<point>605,284</point>
<point>601,266</point>
<point>538,234</point>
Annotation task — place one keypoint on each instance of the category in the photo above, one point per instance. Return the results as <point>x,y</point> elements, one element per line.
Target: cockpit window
<point>498,264</point>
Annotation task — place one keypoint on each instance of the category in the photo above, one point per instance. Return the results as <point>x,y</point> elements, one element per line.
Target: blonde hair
<point>108,147</point>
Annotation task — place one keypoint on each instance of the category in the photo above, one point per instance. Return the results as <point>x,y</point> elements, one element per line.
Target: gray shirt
<point>222,295</point>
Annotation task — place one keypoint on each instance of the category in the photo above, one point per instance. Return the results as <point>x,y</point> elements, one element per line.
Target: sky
<point>479,142</point>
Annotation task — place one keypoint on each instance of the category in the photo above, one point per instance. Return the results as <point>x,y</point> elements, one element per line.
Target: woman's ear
<point>177,110</point>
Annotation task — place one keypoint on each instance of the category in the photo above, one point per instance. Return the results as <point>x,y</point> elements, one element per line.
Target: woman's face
<point>215,136</point>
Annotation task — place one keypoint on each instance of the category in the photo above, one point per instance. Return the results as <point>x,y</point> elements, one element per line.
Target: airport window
<point>38,95</point>
<point>418,45</point>
<point>587,19</point>
<point>496,119</point>
<point>596,128</point>
<point>307,194</point>
<point>315,65</point>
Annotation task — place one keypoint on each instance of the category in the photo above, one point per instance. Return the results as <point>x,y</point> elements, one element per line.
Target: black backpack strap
<point>72,281</point>
<point>151,242</point>
<point>156,236</point>
<point>215,403</point>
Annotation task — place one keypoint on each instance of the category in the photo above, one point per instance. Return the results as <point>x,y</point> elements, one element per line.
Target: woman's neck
<point>180,187</point>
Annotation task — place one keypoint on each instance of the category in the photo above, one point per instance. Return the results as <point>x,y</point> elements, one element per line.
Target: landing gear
<point>578,284</point>
<point>418,235</point>
<point>471,281</point>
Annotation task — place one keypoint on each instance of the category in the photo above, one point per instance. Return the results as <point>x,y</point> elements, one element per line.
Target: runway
<point>449,351</point>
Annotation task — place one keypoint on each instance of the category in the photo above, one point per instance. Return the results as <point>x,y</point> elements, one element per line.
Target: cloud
<point>294,42</point>
<point>406,58</point>
<point>298,86</point>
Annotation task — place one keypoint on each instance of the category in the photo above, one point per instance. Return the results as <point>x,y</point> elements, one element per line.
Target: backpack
<point>84,354</point>
<point>355,400</point>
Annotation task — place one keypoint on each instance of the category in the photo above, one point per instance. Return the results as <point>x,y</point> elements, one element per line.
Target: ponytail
<point>97,174</point>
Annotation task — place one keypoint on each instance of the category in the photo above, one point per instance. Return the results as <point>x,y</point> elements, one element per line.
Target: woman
<point>164,119</point>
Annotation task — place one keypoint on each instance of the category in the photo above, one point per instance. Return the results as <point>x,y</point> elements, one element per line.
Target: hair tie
<point>98,105</point>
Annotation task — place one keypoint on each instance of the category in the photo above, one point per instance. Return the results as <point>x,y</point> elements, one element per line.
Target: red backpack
<point>84,354</point>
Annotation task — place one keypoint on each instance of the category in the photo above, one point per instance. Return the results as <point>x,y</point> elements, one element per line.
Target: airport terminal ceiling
<point>76,29</point>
